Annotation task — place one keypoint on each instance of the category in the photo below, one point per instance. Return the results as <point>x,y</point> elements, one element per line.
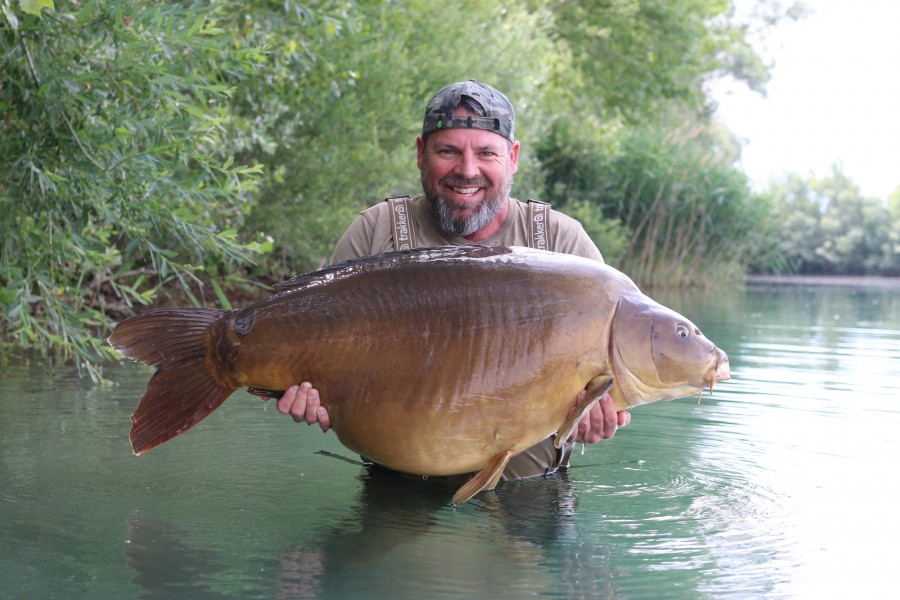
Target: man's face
<point>466,176</point>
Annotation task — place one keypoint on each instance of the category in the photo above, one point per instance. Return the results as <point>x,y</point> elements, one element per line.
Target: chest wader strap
<point>538,215</point>
<point>401,223</point>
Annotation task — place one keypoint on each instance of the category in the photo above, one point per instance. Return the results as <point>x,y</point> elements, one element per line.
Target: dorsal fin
<point>385,261</point>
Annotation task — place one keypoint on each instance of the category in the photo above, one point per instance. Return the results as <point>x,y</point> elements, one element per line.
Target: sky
<point>834,98</point>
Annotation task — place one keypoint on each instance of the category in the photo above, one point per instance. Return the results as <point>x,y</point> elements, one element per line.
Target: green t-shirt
<point>372,232</point>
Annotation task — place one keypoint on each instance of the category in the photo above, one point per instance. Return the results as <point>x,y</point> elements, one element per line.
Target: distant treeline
<point>826,226</point>
<point>198,148</point>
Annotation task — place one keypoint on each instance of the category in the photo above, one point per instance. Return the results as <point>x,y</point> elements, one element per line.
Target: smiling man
<point>467,155</point>
<point>467,169</point>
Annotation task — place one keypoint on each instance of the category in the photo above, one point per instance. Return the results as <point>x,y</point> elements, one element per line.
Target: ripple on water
<point>695,499</point>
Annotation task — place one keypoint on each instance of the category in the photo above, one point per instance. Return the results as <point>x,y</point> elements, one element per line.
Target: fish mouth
<point>718,372</point>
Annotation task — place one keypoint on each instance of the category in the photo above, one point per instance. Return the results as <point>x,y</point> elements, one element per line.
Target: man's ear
<point>420,151</point>
<point>514,156</point>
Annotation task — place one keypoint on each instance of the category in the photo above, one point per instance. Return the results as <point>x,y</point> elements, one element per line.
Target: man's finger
<point>324,419</point>
<point>311,414</point>
<point>284,403</point>
<point>607,420</point>
<point>301,397</point>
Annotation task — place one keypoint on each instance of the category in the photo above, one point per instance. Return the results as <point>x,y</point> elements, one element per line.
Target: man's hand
<point>302,403</point>
<point>601,422</point>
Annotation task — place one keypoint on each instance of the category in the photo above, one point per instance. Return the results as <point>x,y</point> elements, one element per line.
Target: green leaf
<point>10,15</point>
<point>197,26</point>
<point>223,301</point>
<point>166,79</point>
<point>261,247</point>
<point>183,213</point>
<point>34,7</point>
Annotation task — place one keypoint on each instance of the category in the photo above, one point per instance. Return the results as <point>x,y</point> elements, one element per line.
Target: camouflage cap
<point>498,112</point>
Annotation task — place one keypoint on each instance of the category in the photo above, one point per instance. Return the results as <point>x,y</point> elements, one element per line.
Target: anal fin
<point>485,479</point>
<point>596,388</point>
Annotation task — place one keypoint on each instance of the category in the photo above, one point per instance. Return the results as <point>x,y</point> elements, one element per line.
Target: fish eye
<point>682,331</point>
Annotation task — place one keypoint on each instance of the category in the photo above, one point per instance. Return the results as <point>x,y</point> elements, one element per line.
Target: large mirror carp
<point>432,362</point>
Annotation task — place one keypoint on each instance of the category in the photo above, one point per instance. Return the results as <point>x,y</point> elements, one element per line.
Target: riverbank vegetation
<point>827,226</point>
<point>194,150</point>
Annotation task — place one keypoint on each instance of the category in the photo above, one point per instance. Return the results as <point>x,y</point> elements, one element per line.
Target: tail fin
<point>187,386</point>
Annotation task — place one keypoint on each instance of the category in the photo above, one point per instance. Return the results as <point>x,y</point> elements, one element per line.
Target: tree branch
<point>37,81</point>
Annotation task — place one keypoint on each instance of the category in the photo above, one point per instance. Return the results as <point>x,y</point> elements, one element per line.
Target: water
<point>782,484</point>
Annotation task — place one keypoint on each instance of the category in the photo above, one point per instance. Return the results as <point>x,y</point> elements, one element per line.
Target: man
<point>467,155</point>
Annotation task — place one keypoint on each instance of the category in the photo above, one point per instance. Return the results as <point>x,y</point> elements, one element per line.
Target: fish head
<point>658,354</point>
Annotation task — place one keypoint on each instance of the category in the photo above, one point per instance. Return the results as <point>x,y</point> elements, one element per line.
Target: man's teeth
<point>465,190</point>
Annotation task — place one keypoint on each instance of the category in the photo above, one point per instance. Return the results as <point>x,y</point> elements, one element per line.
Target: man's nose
<point>467,165</point>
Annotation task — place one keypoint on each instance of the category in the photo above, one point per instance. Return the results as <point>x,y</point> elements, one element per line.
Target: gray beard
<point>451,224</point>
<point>462,227</point>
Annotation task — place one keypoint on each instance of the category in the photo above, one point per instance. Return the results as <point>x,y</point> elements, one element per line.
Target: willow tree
<point>114,180</point>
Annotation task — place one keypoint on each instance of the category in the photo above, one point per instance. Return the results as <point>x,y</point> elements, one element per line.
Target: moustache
<point>453,181</point>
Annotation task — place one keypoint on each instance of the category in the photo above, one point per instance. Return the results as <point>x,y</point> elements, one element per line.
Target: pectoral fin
<point>596,388</point>
<point>485,479</point>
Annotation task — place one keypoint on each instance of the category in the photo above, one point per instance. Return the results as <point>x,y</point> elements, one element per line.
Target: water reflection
<point>401,537</point>
<point>391,511</point>
<point>165,565</point>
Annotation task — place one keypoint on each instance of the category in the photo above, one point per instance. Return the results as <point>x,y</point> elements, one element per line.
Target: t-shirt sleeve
<point>356,241</point>
<point>370,233</point>
<point>571,238</point>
